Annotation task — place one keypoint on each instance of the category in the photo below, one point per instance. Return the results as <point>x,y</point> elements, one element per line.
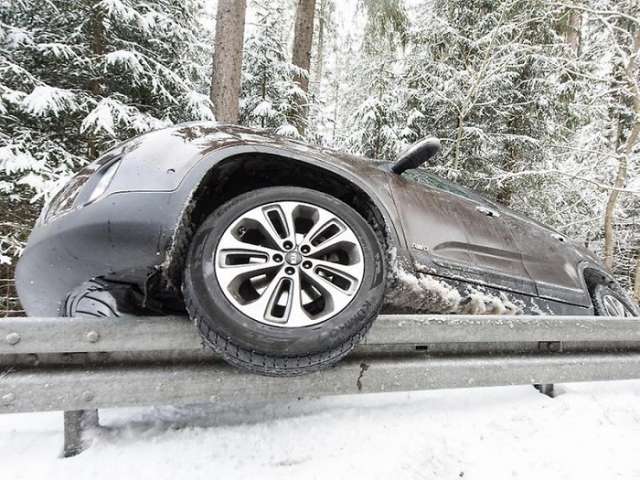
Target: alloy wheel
<point>289,264</point>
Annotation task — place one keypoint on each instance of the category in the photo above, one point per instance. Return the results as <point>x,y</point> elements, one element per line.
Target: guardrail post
<point>545,389</point>
<point>548,347</point>
<point>76,424</point>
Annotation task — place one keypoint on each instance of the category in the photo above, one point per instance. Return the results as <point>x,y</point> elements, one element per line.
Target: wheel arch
<point>214,182</point>
<point>594,274</point>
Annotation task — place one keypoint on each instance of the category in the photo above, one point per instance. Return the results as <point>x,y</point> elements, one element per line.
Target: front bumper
<point>124,235</point>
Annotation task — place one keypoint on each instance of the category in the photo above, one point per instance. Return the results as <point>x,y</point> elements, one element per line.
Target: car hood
<point>158,160</point>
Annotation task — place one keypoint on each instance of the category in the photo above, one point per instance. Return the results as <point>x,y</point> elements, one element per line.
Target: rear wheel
<point>284,280</point>
<point>611,301</point>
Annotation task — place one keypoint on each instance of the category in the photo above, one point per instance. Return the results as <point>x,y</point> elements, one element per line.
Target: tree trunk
<point>227,60</point>
<point>97,44</point>
<point>320,50</point>
<point>505,192</point>
<point>631,72</point>
<point>636,281</point>
<point>609,213</point>
<point>336,101</point>
<point>571,27</point>
<point>302,42</point>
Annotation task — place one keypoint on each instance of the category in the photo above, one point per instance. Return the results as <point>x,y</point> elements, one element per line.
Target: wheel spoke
<point>344,237</point>
<point>288,208</point>
<point>276,312</point>
<point>259,308</point>
<point>261,217</point>
<point>323,220</point>
<point>298,316</point>
<point>337,297</point>
<point>229,243</point>
<point>227,274</point>
<point>351,272</point>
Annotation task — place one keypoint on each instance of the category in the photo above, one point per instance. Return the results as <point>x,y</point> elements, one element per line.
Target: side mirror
<point>416,155</point>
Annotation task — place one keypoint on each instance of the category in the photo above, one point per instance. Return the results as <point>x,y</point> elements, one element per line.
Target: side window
<point>430,180</point>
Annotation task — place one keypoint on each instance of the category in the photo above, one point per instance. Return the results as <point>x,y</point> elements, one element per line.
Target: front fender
<point>177,159</point>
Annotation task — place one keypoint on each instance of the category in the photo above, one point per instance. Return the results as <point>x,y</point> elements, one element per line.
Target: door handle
<point>487,211</point>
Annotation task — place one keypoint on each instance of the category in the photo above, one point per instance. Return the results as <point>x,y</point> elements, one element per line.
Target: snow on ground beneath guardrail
<point>588,431</point>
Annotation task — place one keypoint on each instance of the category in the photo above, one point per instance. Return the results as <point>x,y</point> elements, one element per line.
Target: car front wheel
<point>284,280</point>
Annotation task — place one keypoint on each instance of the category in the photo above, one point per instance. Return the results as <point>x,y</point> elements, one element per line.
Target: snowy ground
<point>588,431</point>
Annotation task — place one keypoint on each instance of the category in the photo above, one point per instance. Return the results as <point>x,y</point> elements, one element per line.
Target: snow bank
<point>589,431</point>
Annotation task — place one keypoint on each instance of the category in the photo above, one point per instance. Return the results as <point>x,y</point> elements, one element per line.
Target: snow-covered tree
<point>492,80</point>
<point>614,34</point>
<point>270,95</point>
<point>373,105</point>
<point>75,77</point>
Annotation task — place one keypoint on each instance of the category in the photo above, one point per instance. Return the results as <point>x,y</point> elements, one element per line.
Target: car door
<point>550,259</point>
<point>456,234</point>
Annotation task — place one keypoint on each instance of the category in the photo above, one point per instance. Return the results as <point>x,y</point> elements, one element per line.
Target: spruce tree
<point>497,82</point>
<point>270,94</point>
<point>374,101</point>
<point>76,76</point>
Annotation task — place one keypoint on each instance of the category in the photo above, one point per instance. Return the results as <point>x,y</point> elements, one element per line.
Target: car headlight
<point>63,201</point>
<point>84,188</point>
<point>106,175</point>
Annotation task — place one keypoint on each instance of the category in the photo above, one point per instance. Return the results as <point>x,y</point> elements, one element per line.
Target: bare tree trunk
<point>636,281</point>
<point>336,101</point>
<point>505,192</point>
<point>320,50</point>
<point>571,28</point>
<point>609,213</point>
<point>97,45</point>
<point>302,42</point>
<point>630,73</point>
<point>227,60</point>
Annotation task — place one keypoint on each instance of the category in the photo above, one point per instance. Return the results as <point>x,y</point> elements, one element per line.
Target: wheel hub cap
<point>290,264</point>
<point>293,258</point>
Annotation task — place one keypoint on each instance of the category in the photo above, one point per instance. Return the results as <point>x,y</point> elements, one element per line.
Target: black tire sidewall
<point>226,320</point>
<point>601,290</point>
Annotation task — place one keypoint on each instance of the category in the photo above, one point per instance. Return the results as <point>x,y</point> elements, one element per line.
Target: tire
<point>236,328</point>
<point>607,297</point>
<point>93,299</point>
<point>99,298</point>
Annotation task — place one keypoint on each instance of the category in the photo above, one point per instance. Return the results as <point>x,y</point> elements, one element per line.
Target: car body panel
<point>451,234</point>
<point>121,236</point>
<point>129,233</point>
<point>552,261</point>
<point>420,209</point>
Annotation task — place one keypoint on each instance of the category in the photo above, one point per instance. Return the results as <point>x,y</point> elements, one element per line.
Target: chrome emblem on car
<point>293,258</point>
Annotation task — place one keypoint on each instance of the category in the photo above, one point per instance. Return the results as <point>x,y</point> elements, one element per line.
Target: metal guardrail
<point>21,335</point>
<point>82,364</point>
